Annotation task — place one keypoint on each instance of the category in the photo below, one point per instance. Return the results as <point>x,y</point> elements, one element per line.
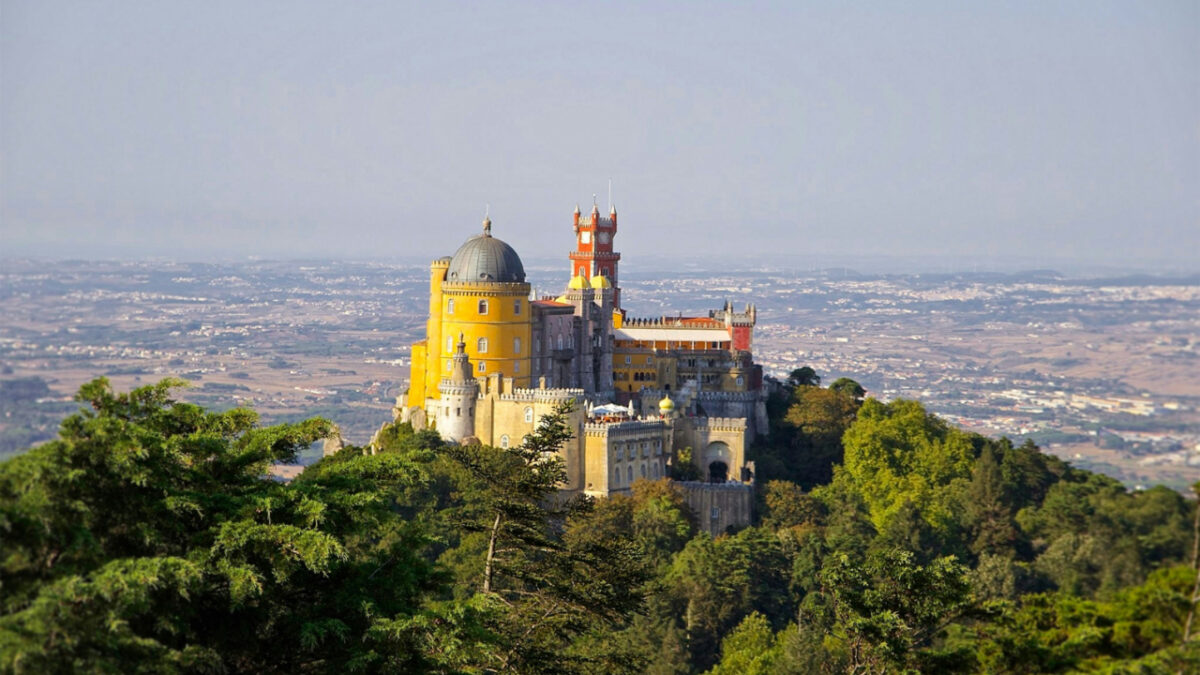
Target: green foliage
<point>897,454</point>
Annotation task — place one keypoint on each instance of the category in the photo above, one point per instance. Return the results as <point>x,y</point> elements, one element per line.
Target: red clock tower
<point>594,255</point>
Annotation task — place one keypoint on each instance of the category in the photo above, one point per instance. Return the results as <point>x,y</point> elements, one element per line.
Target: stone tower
<point>459,391</point>
<point>594,255</point>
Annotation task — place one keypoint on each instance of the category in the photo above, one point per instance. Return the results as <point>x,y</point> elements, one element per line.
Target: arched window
<point>450,306</point>
<point>482,367</point>
<point>560,342</point>
<point>483,307</point>
<point>616,476</point>
<point>504,441</point>
<point>516,367</point>
<point>516,345</point>
<point>529,415</point>
<point>481,345</point>
<point>630,473</point>
<point>654,470</point>
<point>643,469</point>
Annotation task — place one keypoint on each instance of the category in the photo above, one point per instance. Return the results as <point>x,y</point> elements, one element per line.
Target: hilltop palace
<point>494,361</point>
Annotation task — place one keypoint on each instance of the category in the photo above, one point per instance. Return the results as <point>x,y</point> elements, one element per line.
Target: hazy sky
<point>970,129</point>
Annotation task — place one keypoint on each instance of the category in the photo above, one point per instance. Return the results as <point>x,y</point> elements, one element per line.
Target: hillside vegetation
<point>146,538</point>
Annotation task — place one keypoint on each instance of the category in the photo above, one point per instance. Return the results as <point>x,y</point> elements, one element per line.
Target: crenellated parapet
<point>522,395</point>
<point>626,428</point>
<point>736,424</point>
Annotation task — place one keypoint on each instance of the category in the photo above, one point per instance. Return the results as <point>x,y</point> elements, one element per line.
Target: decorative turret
<point>459,391</point>
<point>594,255</point>
<point>666,407</point>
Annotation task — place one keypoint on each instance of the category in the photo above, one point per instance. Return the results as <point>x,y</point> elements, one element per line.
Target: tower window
<point>504,441</point>
<point>529,415</point>
<point>628,360</point>
<point>482,367</point>
<point>516,307</point>
<point>481,346</point>
<point>516,367</point>
<point>517,345</point>
<point>483,308</point>
<point>604,271</point>
<point>450,306</point>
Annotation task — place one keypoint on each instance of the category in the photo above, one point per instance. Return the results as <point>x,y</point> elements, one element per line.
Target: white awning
<point>672,334</point>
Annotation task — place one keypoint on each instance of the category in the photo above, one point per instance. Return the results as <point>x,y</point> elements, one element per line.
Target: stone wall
<point>719,507</point>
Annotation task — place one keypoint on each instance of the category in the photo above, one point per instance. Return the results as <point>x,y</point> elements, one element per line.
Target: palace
<point>647,392</point>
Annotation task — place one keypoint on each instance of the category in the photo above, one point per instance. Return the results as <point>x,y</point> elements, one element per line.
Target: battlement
<point>727,395</point>
<point>543,395</point>
<point>672,322</point>
<point>624,428</point>
<point>719,423</point>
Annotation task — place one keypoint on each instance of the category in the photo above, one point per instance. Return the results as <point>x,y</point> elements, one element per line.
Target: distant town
<point>1104,372</point>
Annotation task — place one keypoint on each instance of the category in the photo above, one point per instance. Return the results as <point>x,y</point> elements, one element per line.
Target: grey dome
<point>485,258</point>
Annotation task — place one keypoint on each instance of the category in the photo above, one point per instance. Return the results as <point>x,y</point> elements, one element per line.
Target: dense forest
<point>146,538</point>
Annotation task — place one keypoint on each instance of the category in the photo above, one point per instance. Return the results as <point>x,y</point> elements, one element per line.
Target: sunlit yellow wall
<point>433,333</point>
<point>508,318</point>
<point>641,360</point>
<point>416,378</point>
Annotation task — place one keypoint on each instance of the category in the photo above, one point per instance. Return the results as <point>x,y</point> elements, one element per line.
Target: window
<point>449,344</point>
<point>483,307</point>
<point>516,307</point>
<point>450,306</point>
<point>620,452</point>
<point>504,441</point>
<point>630,473</point>
<point>628,360</point>
<point>616,476</point>
<point>645,449</point>
<point>741,380</point>
<point>482,367</point>
<point>529,415</point>
<point>560,343</point>
<point>643,469</point>
<point>604,271</point>
<point>516,367</point>
<point>516,345</point>
<point>481,345</point>
<point>458,412</point>
<point>715,513</point>
<point>649,360</point>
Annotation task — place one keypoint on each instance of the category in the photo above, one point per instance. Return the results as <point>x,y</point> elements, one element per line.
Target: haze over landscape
<point>1028,133</point>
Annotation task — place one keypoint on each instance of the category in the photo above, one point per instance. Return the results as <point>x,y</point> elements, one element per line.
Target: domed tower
<point>480,294</point>
<point>455,414</point>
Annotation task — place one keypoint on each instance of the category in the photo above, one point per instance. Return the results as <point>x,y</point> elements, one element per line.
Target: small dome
<point>485,258</point>
<point>666,405</point>
<point>600,281</point>
<point>563,299</point>
<point>577,283</point>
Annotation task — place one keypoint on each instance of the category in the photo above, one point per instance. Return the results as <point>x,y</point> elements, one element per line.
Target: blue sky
<point>974,131</point>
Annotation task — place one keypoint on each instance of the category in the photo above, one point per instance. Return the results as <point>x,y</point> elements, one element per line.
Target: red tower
<point>594,255</point>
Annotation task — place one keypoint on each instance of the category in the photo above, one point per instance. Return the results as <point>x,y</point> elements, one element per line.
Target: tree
<point>817,419</point>
<point>897,453</point>
<point>888,606</point>
<point>804,377</point>
<point>548,589</point>
<point>848,387</point>
<point>147,536</point>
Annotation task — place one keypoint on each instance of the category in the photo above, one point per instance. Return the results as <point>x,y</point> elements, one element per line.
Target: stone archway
<point>717,460</point>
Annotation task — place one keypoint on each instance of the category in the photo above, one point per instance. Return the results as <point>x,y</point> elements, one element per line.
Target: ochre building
<point>647,392</point>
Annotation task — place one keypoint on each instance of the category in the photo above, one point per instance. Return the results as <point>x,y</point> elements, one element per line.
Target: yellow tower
<point>481,294</point>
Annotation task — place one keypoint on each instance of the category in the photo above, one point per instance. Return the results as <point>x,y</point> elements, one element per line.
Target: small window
<point>483,309</point>
<point>616,476</point>
<point>741,380</point>
<point>628,360</point>
<point>604,271</point>
<point>516,307</point>
<point>715,513</point>
<point>560,343</point>
<point>450,306</point>
<point>516,345</point>
<point>643,467</point>
<point>504,441</point>
<point>516,367</point>
<point>481,345</point>
<point>630,473</point>
<point>449,344</point>
<point>529,415</point>
<point>482,367</point>
<point>654,470</point>
<point>620,453</point>
<point>458,412</point>
<point>649,360</point>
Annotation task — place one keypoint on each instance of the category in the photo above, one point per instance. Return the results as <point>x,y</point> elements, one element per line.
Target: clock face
<point>585,237</point>
<point>603,237</point>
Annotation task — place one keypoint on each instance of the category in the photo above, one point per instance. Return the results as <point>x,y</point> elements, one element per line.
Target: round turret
<point>577,282</point>
<point>599,281</point>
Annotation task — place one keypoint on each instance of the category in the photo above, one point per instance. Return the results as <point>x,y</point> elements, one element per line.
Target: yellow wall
<point>416,378</point>
<point>501,326</point>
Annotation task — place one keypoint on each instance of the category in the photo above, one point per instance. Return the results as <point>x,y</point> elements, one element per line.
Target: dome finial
<point>487,220</point>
